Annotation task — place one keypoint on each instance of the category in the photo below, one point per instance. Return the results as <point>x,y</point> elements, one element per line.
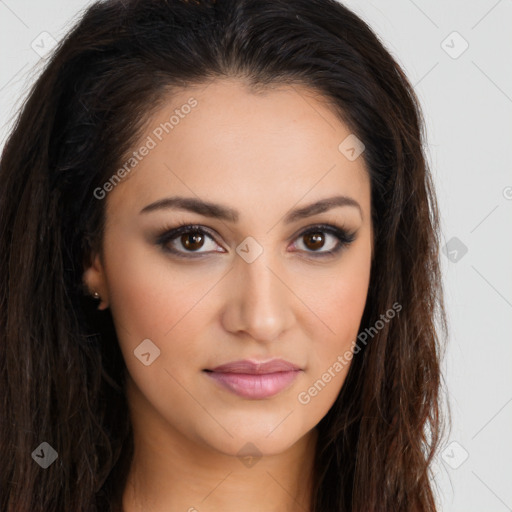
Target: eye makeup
<point>170,237</point>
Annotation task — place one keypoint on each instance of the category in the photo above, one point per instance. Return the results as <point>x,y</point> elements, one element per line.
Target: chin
<point>264,437</point>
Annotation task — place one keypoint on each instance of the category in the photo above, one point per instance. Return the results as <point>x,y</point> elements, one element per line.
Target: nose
<point>260,304</point>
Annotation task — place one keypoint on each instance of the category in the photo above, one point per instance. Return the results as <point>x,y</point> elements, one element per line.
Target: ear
<point>94,280</point>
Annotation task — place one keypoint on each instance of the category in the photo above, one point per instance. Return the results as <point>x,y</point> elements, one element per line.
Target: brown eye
<point>324,240</point>
<point>188,241</point>
<point>314,241</point>
<point>193,240</point>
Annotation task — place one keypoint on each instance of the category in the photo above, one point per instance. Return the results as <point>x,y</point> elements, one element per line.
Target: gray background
<point>466,95</point>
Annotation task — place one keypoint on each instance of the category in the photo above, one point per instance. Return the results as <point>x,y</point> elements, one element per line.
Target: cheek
<point>150,298</point>
<point>338,297</point>
<point>148,295</point>
<point>339,303</point>
<point>343,303</point>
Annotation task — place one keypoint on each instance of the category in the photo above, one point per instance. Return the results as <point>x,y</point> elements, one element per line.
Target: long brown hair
<point>61,369</point>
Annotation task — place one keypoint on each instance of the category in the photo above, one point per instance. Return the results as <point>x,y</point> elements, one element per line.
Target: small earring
<point>96,295</point>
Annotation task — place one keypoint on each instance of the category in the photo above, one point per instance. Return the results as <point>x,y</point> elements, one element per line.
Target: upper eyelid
<point>175,231</point>
<point>200,227</point>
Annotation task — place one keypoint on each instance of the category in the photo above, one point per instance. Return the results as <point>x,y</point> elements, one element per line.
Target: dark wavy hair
<point>61,369</point>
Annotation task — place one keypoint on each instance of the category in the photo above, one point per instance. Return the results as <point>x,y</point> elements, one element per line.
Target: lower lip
<point>255,386</point>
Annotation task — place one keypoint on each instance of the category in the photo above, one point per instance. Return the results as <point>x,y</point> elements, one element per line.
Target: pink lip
<point>253,379</point>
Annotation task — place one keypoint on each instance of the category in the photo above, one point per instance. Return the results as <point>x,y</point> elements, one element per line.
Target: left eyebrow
<point>322,206</point>
<point>218,211</point>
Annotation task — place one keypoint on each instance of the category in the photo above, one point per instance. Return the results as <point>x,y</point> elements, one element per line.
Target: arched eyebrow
<point>218,211</point>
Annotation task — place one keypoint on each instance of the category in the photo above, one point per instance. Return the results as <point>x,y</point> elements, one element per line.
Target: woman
<point>220,272</point>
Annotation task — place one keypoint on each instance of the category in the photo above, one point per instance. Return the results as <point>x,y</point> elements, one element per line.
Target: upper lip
<point>256,367</point>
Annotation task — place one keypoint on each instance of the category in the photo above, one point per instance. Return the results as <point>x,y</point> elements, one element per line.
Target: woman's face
<point>250,284</point>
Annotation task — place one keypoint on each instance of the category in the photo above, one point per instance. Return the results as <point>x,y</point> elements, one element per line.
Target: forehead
<point>226,142</point>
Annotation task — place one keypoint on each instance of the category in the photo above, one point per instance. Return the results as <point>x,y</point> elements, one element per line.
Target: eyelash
<point>345,238</point>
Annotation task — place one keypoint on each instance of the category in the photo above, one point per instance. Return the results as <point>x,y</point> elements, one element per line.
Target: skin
<point>264,155</point>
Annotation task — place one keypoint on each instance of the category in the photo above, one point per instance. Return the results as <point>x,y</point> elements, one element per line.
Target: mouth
<point>255,380</point>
